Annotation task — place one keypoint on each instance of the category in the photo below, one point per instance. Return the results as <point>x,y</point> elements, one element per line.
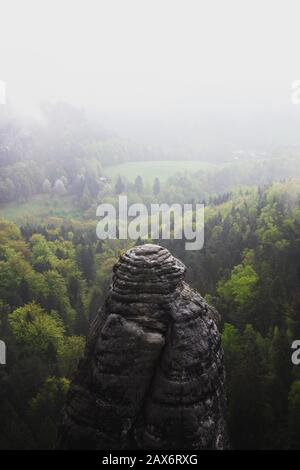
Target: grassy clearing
<point>150,170</point>
<point>40,208</point>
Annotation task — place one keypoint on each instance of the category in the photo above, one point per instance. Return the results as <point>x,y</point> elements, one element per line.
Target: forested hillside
<point>67,153</point>
<point>51,284</point>
<point>61,153</point>
<point>249,269</point>
<point>53,277</point>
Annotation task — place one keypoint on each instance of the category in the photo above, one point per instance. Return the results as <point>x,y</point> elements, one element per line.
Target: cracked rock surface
<point>152,376</point>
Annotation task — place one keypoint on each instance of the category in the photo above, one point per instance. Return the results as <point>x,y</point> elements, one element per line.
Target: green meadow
<point>40,207</point>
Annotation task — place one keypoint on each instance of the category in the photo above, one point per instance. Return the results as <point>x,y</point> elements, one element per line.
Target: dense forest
<point>53,278</point>
<point>54,272</point>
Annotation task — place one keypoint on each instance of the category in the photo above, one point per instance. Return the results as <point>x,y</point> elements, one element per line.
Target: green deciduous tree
<point>35,330</point>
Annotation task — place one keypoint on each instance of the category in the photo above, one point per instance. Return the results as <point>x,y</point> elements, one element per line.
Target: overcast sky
<point>179,72</point>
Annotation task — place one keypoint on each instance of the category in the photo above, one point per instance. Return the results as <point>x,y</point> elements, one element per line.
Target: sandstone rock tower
<point>152,376</point>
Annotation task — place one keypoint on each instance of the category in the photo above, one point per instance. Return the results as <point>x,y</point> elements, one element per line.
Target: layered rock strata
<point>152,376</point>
